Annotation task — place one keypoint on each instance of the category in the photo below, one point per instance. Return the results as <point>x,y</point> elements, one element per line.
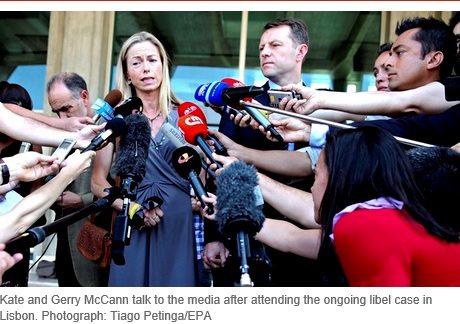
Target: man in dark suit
<point>283,48</point>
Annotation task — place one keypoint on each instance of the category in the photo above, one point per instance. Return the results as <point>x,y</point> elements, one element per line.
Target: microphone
<point>186,161</point>
<point>195,131</point>
<point>176,138</point>
<point>133,148</point>
<point>103,108</point>
<point>114,128</point>
<point>129,106</point>
<point>237,92</point>
<point>239,209</point>
<point>234,83</point>
<point>232,96</point>
<point>131,163</point>
<point>190,108</point>
<point>219,93</point>
<point>32,237</point>
<point>36,235</point>
<point>211,93</point>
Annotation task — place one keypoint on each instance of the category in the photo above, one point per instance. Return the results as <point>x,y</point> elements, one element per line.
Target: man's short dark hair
<point>434,35</point>
<point>454,20</point>
<point>437,174</point>
<point>298,28</point>
<point>73,81</point>
<point>385,47</point>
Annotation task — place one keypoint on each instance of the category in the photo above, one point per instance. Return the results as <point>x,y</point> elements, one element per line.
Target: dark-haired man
<point>282,50</point>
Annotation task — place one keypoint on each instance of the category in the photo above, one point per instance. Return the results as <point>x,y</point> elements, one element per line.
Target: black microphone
<point>186,161</point>
<point>239,209</point>
<point>176,138</point>
<point>129,106</point>
<point>32,237</point>
<point>233,95</point>
<point>114,128</point>
<point>131,163</point>
<point>36,235</point>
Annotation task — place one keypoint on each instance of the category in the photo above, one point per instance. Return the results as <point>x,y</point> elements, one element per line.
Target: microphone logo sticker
<point>193,121</point>
<point>202,89</point>
<point>189,110</point>
<point>184,158</point>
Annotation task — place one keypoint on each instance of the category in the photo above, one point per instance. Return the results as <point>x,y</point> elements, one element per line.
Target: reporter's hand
<point>7,260</point>
<point>76,163</point>
<point>30,166</point>
<point>245,120</point>
<point>291,129</point>
<point>210,200</point>
<point>310,102</point>
<point>87,133</point>
<point>74,124</point>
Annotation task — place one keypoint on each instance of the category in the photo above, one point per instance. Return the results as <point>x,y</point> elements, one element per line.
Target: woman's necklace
<point>156,117</point>
<point>155,144</point>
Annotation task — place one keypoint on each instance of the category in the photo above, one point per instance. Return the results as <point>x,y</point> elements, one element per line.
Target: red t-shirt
<point>381,247</point>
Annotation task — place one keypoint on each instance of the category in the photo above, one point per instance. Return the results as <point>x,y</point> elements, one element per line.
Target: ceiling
<point>341,43</point>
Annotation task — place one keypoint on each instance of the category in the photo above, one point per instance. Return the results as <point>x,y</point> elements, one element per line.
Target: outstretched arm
<point>428,99</point>
<point>287,163</point>
<point>33,131</point>
<point>28,210</point>
<point>72,124</point>
<point>286,237</point>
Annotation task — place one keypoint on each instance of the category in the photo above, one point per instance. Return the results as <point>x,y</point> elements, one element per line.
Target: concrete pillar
<point>81,42</point>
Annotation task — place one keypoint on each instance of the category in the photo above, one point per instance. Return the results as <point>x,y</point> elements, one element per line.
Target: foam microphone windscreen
<point>190,108</point>
<point>134,147</point>
<point>237,206</point>
<point>191,127</point>
<point>129,106</point>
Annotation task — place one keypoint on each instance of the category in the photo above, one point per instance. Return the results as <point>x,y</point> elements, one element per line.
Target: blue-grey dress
<point>162,255</point>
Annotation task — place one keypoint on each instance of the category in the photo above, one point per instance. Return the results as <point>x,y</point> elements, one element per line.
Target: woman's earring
<point>129,81</point>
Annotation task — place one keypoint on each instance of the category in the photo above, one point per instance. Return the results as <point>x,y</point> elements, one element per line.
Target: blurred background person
<point>68,97</point>
<point>16,94</point>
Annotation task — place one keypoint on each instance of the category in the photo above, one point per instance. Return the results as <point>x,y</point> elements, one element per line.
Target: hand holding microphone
<point>114,128</point>
<point>219,93</point>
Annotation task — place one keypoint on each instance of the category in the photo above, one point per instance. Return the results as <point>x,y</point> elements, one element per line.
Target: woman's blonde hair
<point>167,96</point>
